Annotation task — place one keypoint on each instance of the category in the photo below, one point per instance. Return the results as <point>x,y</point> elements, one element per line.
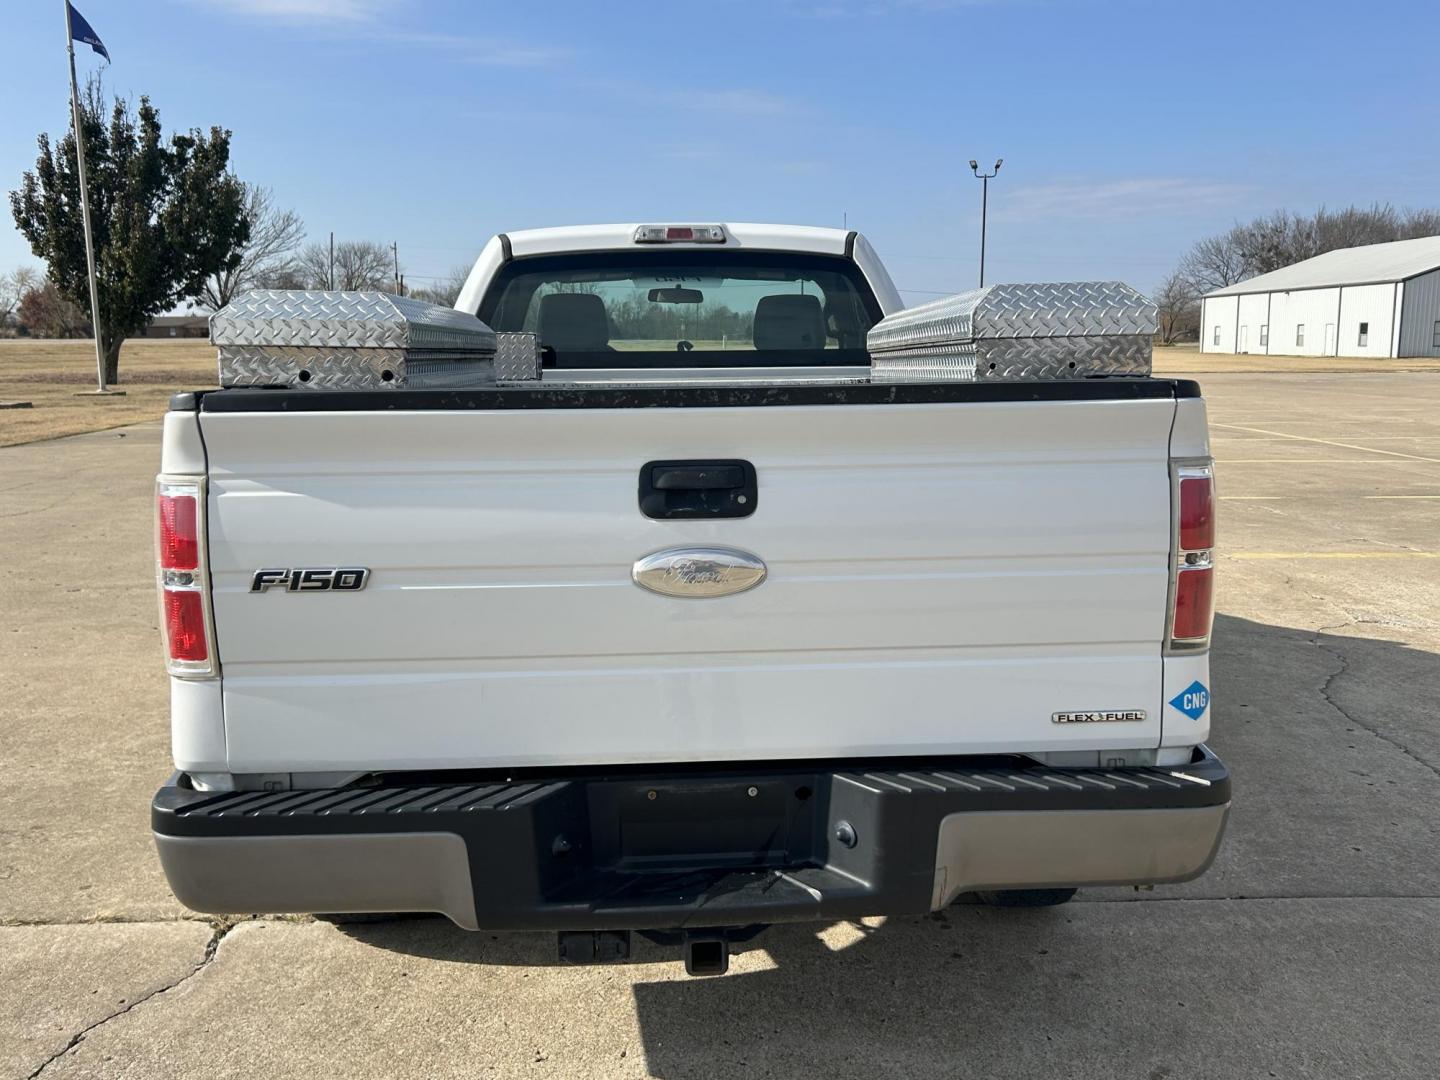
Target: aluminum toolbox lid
<point>1028,310</point>
<point>289,318</point>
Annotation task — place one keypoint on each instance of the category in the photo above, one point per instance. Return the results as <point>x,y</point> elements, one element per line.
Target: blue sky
<point>1129,129</point>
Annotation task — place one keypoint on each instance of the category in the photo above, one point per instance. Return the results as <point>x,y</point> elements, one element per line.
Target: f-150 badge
<point>698,572</point>
<point>1098,716</point>
<point>310,579</point>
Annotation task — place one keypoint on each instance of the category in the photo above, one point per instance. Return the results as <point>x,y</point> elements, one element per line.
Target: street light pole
<point>984,179</point>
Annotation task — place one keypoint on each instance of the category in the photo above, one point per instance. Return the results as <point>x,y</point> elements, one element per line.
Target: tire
<point>1026,897</point>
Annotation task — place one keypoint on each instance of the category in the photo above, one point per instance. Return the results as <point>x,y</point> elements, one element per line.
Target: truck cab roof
<point>566,239</point>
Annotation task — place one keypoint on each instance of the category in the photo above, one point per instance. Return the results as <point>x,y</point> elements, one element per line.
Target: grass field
<point>55,375</point>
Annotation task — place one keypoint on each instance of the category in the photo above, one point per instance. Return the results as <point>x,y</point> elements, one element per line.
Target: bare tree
<point>1417,223</point>
<point>1215,262</point>
<point>313,264</point>
<point>1380,223</point>
<point>47,312</point>
<point>266,257</point>
<point>13,286</point>
<point>1354,227</point>
<point>1268,243</point>
<point>290,276</point>
<point>1283,238</point>
<point>1179,308</point>
<point>446,290</point>
<point>359,264</point>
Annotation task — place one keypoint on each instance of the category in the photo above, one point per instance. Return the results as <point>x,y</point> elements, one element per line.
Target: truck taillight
<point>179,536</point>
<point>185,626</point>
<point>1197,512</point>
<point>182,572</point>
<point>1194,604</point>
<point>1192,580</point>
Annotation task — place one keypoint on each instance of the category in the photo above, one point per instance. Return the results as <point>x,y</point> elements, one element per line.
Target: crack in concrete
<point>1342,670</point>
<point>221,932</point>
<point>1389,621</point>
<point>9,921</point>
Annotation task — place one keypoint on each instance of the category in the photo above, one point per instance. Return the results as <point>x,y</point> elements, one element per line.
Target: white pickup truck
<point>733,637</point>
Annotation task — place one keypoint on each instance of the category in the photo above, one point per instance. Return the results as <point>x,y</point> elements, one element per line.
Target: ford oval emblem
<point>698,572</point>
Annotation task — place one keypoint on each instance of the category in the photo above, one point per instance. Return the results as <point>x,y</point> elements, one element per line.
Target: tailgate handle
<point>697,477</point>
<point>697,489</point>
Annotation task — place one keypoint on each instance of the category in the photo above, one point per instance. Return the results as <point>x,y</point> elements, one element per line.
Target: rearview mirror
<point>676,296</point>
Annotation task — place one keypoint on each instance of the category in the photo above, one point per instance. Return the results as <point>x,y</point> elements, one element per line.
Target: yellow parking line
<point>1331,555</point>
<point>1327,442</point>
<point>1405,460</point>
<point>1400,496</point>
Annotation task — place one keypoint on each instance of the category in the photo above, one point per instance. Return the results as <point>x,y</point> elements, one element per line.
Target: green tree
<point>165,215</point>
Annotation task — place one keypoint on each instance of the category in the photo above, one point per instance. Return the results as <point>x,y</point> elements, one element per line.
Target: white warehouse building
<point>1378,300</point>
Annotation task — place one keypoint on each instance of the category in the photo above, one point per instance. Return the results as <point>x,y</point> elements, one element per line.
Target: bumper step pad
<point>723,845</point>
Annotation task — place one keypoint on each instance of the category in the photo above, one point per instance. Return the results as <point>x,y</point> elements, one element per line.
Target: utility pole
<point>984,179</point>
<point>85,211</point>
<point>395,251</point>
<point>330,277</point>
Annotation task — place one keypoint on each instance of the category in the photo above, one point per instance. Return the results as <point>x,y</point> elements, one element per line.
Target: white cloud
<point>365,20</point>
<point>319,10</point>
<point>1084,199</point>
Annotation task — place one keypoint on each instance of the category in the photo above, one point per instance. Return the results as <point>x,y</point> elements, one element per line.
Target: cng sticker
<point>1193,700</point>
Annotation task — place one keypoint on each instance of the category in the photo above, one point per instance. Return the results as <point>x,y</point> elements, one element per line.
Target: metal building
<point>1378,300</point>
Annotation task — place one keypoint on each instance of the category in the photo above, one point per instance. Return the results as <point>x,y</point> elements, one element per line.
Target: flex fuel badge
<point>1193,700</point>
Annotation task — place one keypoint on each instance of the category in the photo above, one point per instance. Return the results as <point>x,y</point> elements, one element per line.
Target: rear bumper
<point>719,846</point>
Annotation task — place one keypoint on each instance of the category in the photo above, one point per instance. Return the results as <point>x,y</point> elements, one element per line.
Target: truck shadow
<point>1333,751</point>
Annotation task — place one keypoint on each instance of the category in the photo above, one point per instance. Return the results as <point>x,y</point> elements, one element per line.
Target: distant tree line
<point>1267,243</point>
<point>637,318</point>
<point>30,304</point>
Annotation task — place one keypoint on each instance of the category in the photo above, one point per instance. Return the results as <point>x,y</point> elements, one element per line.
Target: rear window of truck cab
<point>686,308</point>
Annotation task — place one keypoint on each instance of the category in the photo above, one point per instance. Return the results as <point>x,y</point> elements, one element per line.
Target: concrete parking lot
<point>1312,949</point>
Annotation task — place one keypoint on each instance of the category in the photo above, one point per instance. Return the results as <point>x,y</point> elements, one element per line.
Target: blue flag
<point>80,30</point>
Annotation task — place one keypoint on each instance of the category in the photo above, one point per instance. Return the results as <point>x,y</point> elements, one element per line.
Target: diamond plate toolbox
<point>1035,331</point>
<point>517,357</point>
<point>348,341</point>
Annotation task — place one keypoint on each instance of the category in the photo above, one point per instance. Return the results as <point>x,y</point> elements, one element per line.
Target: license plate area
<point>674,825</point>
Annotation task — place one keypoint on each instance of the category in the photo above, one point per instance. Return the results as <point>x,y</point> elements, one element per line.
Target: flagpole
<point>85,208</point>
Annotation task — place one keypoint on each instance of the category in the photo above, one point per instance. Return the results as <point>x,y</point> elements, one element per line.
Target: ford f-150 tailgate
<point>946,572</point>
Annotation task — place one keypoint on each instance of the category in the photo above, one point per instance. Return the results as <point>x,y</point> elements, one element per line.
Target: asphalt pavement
<point>1311,949</point>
